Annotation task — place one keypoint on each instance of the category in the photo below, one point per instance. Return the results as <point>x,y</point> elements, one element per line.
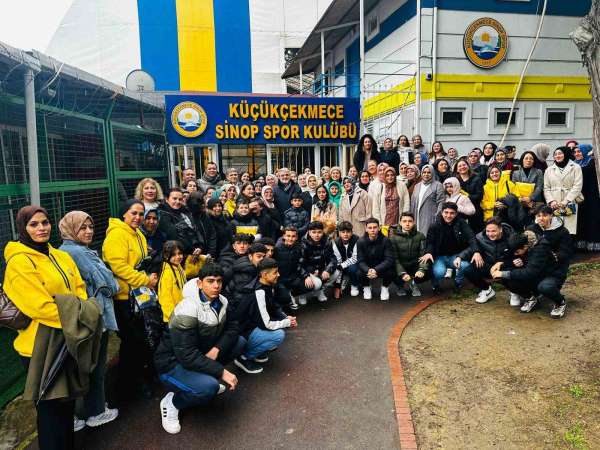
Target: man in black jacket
<point>450,242</point>
<point>551,228</point>
<point>288,254</point>
<point>375,260</point>
<point>230,254</point>
<point>492,246</point>
<point>530,261</point>
<point>284,190</point>
<point>244,275</point>
<point>261,320</point>
<point>191,357</point>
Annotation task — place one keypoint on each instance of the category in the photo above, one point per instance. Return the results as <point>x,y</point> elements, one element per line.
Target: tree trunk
<point>587,39</point>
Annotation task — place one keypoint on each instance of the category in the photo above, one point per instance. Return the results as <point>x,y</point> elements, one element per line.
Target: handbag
<point>11,316</point>
<point>147,312</point>
<point>568,210</point>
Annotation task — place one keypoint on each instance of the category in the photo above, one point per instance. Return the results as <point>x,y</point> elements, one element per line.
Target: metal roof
<point>336,22</point>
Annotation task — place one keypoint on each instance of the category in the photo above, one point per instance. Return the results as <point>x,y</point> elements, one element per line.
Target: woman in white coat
<point>563,181</point>
<point>390,199</point>
<point>355,207</point>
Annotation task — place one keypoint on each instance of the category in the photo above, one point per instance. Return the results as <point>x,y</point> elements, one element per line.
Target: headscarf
<point>541,150</point>
<point>571,141</point>
<point>455,188</point>
<point>71,224</point>
<point>335,199</point>
<point>586,150</point>
<point>433,174</point>
<point>384,166</point>
<point>500,165</point>
<point>23,217</point>
<point>262,194</point>
<point>351,180</point>
<point>389,169</point>
<point>424,159</point>
<point>364,187</point>
<point>567,152</point>
<point>310,191</point>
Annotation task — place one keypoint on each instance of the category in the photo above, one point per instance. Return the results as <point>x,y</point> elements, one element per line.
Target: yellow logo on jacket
<point>485,43</point>
<point>189,119</point>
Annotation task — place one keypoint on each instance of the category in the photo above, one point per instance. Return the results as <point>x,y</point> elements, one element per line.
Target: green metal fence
<point>92,153</point>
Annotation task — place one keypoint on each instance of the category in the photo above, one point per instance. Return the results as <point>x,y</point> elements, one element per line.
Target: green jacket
<point>408,248</point>
<point>82,326</point>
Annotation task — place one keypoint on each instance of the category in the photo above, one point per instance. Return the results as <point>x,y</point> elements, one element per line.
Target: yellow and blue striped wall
<point>196,45</point>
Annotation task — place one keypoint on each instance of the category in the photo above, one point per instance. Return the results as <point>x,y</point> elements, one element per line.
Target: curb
<point>406,430</point>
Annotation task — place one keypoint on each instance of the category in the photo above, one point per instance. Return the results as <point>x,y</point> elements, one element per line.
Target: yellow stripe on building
<point>479,87</point>
<point>196,40</point>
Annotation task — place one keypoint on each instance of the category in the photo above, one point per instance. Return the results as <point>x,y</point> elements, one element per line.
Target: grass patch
<point>574,437</point>
<point>578,269</point>
<point>576,391</point>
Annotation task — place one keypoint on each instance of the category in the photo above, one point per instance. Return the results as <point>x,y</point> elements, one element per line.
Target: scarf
<point>364,187</point>
<point>565,151</point>
<point>71,224</point>
<point>23,217</point>
<point>211,180</point>
<point>586,150</point>
<point>335,199</point>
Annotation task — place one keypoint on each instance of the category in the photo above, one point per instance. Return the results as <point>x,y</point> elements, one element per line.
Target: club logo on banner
<point>485,43</point>
<point>189,119</point>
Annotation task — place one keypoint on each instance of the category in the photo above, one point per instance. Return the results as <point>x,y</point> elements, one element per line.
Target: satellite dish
<point>139,81</point>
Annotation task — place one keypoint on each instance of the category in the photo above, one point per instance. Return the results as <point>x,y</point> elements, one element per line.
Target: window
<point>556,117</point>
<point>372,26</point>
<point>502,116</point>
<point>452,117</point>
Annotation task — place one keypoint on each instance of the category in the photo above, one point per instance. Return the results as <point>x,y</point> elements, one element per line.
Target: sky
<point>30,24</point>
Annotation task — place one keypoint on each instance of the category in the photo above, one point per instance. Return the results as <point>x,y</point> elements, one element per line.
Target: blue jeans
<point>442,263</point>
<point>196,388</point>
<point>354,274</point>
<point>261,341</point>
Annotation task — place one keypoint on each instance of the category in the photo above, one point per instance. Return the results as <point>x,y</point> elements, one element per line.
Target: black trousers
<point>135,359</point>
<point>387,277</point>
<point>477,276</point>
<point>54,422</point>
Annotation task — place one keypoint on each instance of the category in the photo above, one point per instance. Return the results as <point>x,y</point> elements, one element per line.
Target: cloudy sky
<point>29,24</point>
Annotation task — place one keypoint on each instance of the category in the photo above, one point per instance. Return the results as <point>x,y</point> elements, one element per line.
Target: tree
<point>587,39</point>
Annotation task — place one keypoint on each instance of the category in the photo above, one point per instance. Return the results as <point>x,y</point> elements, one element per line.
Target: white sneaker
<point>367,293</point>
<point>302,300</point>
<point>415,291</point>
<point>322,297</point>
<point>384,296</point>
<point>515,299</point>
<point>222,388</point>
<point>353,291</point>
<point>78,424</point>
<point>169,414</point>
<point>107,416</point>
<point>448,273</point>
<point>486,295</point>
<point>294,304</point>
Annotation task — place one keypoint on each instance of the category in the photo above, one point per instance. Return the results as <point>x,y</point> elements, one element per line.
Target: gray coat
<point>536,176</point>
<point>430,207</point>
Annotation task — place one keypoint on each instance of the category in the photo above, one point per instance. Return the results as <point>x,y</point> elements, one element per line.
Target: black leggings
<point>54,422</point>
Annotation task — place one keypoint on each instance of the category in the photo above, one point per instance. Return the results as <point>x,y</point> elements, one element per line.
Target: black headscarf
<point>568,156</point>
<point>23,217</point>
<point>364,187</point>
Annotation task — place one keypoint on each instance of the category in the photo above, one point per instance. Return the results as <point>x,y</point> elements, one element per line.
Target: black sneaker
<point>262,358</point>
<point>247,365</point>
<point>558,311</point>
<point>529,304</point>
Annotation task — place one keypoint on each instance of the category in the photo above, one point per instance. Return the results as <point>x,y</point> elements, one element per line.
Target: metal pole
<point>172,174</point>
<point>186,163</point>
<point>434,74</point>
<point>32,147</point>
<point>361,43</point>
<point>269,161</point>
<point>317,150</point>
<point>301,79</point>
<point>322,63</point>
<point>418,72</point>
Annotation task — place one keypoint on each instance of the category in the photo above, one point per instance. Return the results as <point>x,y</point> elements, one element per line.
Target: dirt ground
<point>488,376</point>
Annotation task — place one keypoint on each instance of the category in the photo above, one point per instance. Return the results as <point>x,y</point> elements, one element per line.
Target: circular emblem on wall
<point>189,119</point>
<point>485,43</point>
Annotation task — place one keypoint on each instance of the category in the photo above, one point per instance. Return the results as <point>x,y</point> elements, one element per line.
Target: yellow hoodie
<point>492,192</point>
<point>123,249</point>
<point>172,279</point>
<point>31,281</point>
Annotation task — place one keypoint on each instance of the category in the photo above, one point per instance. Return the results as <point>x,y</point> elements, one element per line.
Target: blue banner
<point>261,119</point>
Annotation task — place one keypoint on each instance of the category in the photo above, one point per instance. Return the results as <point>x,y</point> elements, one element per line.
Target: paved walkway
<point>328,388</point>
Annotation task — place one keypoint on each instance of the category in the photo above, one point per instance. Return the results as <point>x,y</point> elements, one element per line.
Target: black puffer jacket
<point>474,187</point>
<point>318,256</point>
<point>289,260</point>
<point>178,225</point>
<point>244,279</point>
<point>561,244</point>
<point>259,310</point>
<point>537,264</point>
<point>268,223</point>
<point>298,218</point>
<point>283,195</point>
<point>494,251</point>
<point>377,254</point>
<point>227,259</point>
<point>462,231</point>
<point>222,232</point>
<point>408,248</point>
<point>244,224</point>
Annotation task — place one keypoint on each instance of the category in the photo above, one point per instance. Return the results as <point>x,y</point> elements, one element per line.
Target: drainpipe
<point>361,39</point>
<point>322,63</point>
<point>32,147</point>
<point>418,72</point>
<point>434,73</point>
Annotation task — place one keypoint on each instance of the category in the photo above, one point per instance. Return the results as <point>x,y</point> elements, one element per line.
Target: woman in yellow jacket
<point>123,249</point>
<point>173,276</point>
<point>35,273</point>
<point>496,187</point>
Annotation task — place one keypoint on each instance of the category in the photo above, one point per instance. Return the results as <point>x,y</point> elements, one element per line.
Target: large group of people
<point>229,259</point>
